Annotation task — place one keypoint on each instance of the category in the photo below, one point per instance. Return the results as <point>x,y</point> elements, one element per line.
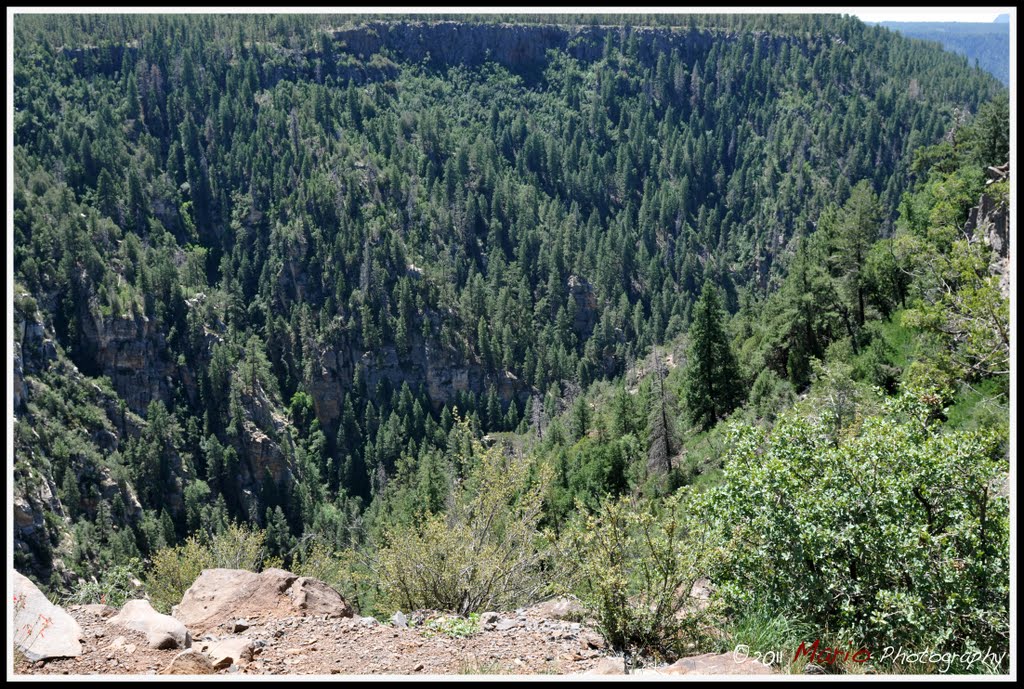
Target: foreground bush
<point>893,534</point>
<point>173,570</point>
<point>115,587</point>
<point>634,565</point>
<point>484,553</point>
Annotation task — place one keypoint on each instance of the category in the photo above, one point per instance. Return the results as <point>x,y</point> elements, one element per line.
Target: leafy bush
<point>117,586</point>
<point>455,627</point>
<point>485,553</point>
<point>339,570</point>
<point>896,534</point>
<point>634,566</point>
<point>173,570</point>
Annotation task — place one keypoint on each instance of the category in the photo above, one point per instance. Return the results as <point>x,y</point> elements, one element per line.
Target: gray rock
<point>99,609</point>
<point>608,666</point>
<point>716,664</point>
<point>162,631</point>
<point>189,662</point>
<point>229,651</point>
<point>41,629</point>
<point>399,619</point>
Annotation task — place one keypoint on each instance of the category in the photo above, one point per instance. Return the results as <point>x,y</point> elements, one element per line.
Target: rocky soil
<point>234,622</point>
<point>511,643</point>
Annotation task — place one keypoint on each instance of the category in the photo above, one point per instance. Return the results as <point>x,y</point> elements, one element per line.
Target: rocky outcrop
<point>33,349</point>
<point>441,371</point>
<point>220,596</point>
<point>33,497</point>
<point>41,629</point>
<point>132,353</point>
<point>162,631</point>
<point>991,219</point>
<point>585,317</point>
<point>259,446</point>
<point>521,47</point>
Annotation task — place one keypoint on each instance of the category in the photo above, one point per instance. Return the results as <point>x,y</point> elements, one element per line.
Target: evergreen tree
<point>711,380</point>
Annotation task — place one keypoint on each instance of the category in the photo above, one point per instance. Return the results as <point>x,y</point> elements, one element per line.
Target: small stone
<point>608,666</point>
<point>189,662</point>
<point>239,626</point>
<point>418,668</point>
<point>399,619</point>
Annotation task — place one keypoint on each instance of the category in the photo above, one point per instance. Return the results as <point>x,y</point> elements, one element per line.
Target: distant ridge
<point>986,43</point>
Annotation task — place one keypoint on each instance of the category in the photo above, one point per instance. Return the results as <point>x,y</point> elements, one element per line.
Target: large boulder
<point>716,664</point>
<point>162,631</point>
<point>220,596</point>
<point>41,629</point>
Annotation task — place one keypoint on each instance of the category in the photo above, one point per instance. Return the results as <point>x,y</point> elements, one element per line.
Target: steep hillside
<point>261,261</point>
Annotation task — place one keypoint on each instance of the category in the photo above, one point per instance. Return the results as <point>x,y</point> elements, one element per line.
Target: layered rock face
<point>517,46</point>
<point>131,352</point>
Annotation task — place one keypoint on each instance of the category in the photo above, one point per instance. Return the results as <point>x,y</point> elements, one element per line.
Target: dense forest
<point>386,292</point>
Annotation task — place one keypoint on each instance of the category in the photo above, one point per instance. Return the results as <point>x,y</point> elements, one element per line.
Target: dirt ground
<point>513,643</point>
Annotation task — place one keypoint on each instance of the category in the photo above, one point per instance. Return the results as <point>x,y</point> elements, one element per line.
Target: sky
<point>926,14</point>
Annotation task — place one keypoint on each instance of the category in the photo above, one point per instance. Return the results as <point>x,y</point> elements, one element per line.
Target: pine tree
<point>711,379</point>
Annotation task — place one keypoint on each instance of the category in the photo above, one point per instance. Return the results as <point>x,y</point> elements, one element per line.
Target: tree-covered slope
<point>260,260</point>
<point>987,45</point>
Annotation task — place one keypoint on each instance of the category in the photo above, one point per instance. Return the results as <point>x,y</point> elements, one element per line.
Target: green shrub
<point>342,571</point>
<point>173,570</point>
<point>454,627</point>
<point>117,586</point>
<point>634,565</point>
<point>897,534</point>
<point>485,553</point>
